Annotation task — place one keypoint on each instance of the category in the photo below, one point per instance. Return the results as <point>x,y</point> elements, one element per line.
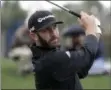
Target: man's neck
<point>45,48</point>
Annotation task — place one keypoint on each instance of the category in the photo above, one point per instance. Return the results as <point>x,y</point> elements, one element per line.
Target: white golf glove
<point>98,30</point>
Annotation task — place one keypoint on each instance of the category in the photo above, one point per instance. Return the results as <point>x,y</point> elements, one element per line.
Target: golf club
<point>66,9</point>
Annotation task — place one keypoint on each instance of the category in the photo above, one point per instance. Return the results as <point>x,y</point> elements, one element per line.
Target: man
<point>55,69</point>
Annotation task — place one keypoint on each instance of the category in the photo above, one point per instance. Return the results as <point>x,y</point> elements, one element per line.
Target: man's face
<point>50,35</point>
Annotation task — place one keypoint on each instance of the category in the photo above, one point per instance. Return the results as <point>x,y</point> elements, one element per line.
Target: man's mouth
<point>54,40</point>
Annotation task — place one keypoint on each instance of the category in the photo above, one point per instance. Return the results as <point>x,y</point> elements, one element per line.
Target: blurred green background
<point>11,80</point>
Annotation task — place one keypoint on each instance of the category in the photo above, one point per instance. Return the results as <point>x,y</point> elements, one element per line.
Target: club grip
<point>75,14</point>
<point>78,15</point>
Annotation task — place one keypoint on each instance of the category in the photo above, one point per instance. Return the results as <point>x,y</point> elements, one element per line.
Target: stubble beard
<point>46,44</point>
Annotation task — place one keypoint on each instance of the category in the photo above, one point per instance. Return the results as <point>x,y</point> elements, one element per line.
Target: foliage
<point>11,13</point>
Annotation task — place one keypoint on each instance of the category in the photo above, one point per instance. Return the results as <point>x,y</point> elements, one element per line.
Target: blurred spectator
<point>77,34</point>
<point>20,52</point>
<point>21,37</point>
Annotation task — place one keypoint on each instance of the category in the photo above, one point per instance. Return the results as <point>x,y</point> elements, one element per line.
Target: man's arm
<point>84,71</point>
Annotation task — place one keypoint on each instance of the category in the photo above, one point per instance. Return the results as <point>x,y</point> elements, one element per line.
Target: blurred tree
<point>97,9</point>
<point>11,13</point>
<point>94,7</point>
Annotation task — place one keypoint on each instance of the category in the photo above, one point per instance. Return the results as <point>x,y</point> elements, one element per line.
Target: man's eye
<point>44,30</point>
<point>54,26</point>
<point>51,27</point>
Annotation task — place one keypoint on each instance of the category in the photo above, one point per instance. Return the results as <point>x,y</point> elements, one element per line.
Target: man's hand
<point>88,22</point>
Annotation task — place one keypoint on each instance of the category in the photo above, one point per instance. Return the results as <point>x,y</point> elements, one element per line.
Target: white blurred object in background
<point>22,57</point>
<point>100,67</point>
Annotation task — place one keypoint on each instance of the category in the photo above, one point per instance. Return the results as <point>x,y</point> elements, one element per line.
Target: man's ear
<point>33,36</point>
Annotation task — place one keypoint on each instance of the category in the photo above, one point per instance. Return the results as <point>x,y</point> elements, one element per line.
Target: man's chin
<point>55,45</point>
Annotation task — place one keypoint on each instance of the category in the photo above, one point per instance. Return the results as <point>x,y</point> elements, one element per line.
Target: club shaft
<point>65,9</point>
<point>58,6</point>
